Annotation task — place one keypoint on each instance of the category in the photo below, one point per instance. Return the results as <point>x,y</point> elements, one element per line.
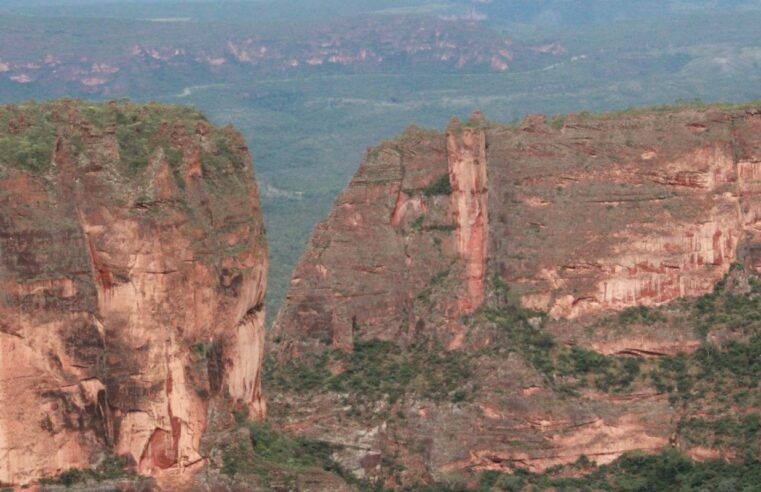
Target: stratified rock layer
<point>576,217</point>
<point>611,213</point>
<point>391,232</point>
<point>598,215</point>
<point>133,269</point>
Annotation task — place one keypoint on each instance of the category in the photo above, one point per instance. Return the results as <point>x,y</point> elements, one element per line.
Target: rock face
<point>647,209</point>
<point>598,215</point>
<point>133,269</point>
<point>576,217</point>
<point>466,155</point>
<point>393,232</point>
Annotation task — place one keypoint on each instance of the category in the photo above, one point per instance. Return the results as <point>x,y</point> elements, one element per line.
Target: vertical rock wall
<point>410,230</point>
<point>596,214</point>
<point>604,214</point>
<point>576,217</point>
<point>466,152</point>
<point>133,275</point>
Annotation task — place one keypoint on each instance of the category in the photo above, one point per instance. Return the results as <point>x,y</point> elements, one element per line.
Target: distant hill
<point>540,13</point>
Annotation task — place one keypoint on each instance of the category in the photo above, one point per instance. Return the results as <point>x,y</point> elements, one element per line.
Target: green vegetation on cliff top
<point>29,132</point>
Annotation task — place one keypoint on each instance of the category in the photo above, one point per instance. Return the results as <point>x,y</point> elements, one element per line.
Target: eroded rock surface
<point>577,218</point>
<point>598,215</point>
<point>413,219</point>
<point>133,269</point>
<point>607,214</point>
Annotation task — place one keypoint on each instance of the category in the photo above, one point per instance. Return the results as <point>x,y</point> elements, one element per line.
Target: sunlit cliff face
<point>577,219</point>
<point>593,216</point>
<point>132,282</point>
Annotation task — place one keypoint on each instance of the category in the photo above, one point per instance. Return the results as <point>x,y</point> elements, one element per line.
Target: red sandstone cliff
<point>133,269</point>
<point>647,209</point>
<point>577,218</point>
<point>598,215</point>
<point>466,154</point>
<point>390,234</point>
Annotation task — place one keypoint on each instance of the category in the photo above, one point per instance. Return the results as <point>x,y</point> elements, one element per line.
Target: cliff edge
<point>500,298</point>
<point>133,270</point>
<point>577,216</point>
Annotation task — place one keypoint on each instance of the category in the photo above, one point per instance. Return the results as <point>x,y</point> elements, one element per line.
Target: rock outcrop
<point>647,208</point>
<point>133,270</point>
<point>594,216</point>
<point>414,215</point>
<point>466,154</point>
<point>570,220</point>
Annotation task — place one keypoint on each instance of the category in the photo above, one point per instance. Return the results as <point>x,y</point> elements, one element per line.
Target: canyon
<point>491,300</point>
<point>133,275</point>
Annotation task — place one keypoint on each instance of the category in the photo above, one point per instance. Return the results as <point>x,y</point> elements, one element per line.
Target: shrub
<point>640,315</point>
<point>113,467</point>
<point>379,371</point>
<point>273,455</point>
<point>439,186</point>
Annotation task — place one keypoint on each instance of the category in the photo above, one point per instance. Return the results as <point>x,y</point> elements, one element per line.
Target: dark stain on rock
<point>84,343</point>
<point>215,367</point>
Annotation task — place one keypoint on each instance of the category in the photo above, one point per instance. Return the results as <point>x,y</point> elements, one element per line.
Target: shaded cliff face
<point>133,273</point>
<point>494,293</point>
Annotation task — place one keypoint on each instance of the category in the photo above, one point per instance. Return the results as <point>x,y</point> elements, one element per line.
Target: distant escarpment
<point>133,60</point>
<point>497,298</point>
<point>132,270</point>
